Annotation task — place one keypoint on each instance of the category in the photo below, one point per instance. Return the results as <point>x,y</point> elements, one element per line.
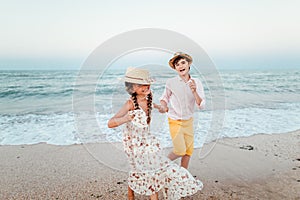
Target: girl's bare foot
<point>130,194</point>
<point>154,196</point>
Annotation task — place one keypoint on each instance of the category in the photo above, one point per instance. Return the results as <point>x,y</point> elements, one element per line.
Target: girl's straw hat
<point>176,55</point>
<point>138,76</point>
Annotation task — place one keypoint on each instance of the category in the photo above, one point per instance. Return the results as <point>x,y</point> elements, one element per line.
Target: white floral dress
<point>150,169</point>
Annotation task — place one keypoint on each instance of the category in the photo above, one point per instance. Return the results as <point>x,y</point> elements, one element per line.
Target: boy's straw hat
<point>176,55</point>
<point>138,76</point>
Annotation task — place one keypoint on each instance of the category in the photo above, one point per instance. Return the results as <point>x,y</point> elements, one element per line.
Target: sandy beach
<point>256,167</point>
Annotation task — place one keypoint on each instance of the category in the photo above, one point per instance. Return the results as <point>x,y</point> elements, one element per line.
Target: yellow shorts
<point>182,134</point>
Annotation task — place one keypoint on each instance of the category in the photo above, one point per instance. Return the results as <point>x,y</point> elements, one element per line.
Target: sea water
<point>38,106</point>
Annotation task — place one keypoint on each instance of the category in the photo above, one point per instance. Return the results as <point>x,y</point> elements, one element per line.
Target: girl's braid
<point>134,99</point>
<point>149,105</point>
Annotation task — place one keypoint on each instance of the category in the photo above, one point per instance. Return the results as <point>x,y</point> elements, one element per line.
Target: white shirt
<point>179,95</point>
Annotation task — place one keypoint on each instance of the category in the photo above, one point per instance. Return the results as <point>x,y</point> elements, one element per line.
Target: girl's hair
<point>129,89</point>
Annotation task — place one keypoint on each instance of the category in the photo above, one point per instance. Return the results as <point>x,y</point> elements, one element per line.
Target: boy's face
<point>182,67</point>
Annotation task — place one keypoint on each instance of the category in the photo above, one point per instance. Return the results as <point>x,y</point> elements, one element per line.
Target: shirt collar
<point>180,79</point>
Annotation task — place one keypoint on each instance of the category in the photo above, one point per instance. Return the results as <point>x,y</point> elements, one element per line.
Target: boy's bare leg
<point>130,194</point>
<point>173,156</point>
<point>185,161</point>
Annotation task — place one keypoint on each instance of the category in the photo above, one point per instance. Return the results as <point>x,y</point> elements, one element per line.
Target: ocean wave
<point>37,106</point>
<point>13,94</point>
<point>65,128</point>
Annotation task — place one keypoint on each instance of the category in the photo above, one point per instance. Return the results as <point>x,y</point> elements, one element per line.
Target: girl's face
<point>182,67</point>
<point>141,89</point>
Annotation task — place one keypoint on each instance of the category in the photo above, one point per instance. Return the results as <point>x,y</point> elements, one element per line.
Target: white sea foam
<point>61,129</point>
<point>37,107</point>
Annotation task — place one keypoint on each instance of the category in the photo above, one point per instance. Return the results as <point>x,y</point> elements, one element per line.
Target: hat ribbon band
<point>135,78</point>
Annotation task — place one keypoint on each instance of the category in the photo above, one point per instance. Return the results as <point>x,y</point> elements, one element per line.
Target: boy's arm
<point>197,98</point>
<point>198,92</point>
<point>121,116</point>
<point>164,99</point>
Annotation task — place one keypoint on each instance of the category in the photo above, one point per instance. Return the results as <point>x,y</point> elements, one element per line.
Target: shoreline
<point>262,166</point>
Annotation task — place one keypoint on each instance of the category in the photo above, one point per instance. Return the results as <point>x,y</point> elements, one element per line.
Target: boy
<point>182,92</point>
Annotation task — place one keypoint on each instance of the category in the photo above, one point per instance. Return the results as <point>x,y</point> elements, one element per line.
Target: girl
<point>150,170</point>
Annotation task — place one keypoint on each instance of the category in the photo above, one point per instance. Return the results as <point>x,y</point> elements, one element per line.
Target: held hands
<point>161,108</point>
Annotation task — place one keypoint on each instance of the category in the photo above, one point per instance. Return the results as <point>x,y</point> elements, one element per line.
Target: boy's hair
<point>181,57</point>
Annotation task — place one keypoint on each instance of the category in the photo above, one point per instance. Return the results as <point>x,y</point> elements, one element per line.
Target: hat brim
<point>171,61</point>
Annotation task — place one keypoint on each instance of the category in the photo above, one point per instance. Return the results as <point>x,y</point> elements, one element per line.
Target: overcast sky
<point>61,34</point>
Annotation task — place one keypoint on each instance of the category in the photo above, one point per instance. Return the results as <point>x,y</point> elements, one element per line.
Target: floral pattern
<point>151,171</point>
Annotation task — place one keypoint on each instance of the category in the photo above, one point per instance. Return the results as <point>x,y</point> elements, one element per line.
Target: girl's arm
<point>121,116</point>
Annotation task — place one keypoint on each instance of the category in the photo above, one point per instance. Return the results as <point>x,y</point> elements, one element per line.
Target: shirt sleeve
<point>200,91</point>
<point>166,94</point>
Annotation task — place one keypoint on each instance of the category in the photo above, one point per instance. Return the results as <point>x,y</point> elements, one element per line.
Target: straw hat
<point>138,76</point>
<point>176,55</point>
